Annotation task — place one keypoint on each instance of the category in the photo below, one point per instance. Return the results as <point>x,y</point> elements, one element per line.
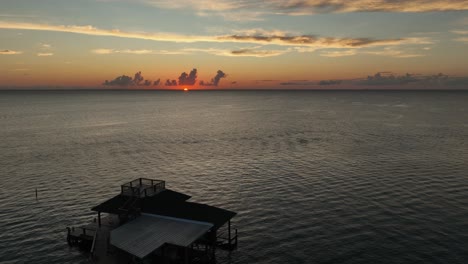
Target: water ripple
<point>315,177</point>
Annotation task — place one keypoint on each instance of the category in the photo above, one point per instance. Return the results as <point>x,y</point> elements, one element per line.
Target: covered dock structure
<point>148,221</point>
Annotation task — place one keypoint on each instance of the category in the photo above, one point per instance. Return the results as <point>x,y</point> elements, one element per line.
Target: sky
<point>234,44</point>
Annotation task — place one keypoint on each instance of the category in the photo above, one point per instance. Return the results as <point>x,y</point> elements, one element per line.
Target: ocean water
<point>315,176</point>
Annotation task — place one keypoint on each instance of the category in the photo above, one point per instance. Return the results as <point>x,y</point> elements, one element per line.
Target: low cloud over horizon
<point>125,81</point>
<point>185,79</point>
<point>188,79</point>
<point>215,80</point>
<point>388,80</point>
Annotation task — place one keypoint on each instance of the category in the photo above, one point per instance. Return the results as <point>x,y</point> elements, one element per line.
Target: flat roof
<point>192,211</point>
<point>148,232</point>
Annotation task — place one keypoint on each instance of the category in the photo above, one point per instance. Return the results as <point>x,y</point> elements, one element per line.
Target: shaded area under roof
<point>147,233</point>
<point>113,205</point>
<point>192,211</point>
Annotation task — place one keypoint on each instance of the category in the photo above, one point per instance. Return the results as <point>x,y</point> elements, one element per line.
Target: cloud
<point>386,78</point>
<point>238,16</point>
<point>464,39</point>
<point>311,40</point>
<point>460,32</point>
<point>439,80</point>
<point>392,52</point>
<point>138,52</point>
<point>10,52</point>
<point>215,80</point>
<point>188,79</point>
<point>138,78</point>
<point>228,8</point>
<point>44,54</point>
<point>257,53</point>
<point>334,54</point>
<point>246,52</point>
<point>279,40</point>
<point>261,32</point>
<point>103,51</point>
<point>200,4</point>
<point>298,82</point>
<point>330,82</point>
<point>91,30</point>
<point>171,82</point>
<point>120,81</point>
<point>124,80</point>
<point>46,46</point>
<point>320,6</point>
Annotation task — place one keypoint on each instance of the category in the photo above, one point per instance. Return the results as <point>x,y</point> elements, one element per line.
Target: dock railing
<point>80,234</point>
<point>142,187</point>
<point>227,242</point>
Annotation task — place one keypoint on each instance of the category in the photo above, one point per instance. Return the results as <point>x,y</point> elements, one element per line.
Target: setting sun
<point>186,89</point>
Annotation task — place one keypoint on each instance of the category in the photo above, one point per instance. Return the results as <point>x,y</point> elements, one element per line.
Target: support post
<point>229,232</point>
<point>99,218</point>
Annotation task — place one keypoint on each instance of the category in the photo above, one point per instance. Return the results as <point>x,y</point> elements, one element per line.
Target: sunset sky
<point>234,44</point>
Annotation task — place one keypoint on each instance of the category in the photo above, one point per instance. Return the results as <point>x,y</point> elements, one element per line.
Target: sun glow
<point>185,89</point>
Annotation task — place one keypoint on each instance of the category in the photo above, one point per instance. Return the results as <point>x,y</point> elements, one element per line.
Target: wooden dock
<point>149,222</point>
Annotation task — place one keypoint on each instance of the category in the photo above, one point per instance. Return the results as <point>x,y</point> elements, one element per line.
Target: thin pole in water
<point>36,193</point>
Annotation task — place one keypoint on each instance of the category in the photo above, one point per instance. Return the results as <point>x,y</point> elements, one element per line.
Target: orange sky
<point>255,44</point>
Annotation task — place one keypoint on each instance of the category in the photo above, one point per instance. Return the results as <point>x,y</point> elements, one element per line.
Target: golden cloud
<point>9,52</point>
<point>280,40</point>
<point>44,54</point>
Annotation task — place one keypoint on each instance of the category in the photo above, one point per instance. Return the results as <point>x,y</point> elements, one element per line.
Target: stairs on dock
<point>129,208</point>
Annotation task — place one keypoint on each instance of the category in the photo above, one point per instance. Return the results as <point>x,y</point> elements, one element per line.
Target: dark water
<point>316,177</point>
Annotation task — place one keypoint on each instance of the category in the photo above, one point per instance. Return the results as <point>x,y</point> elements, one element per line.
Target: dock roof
<point>113,205</point>
<point>170,203</point>
<point>147,233</point>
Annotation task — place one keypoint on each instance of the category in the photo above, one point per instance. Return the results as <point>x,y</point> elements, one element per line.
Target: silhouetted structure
<point>146,220</point>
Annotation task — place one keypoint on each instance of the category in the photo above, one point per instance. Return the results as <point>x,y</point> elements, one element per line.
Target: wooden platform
<point>95,240</point>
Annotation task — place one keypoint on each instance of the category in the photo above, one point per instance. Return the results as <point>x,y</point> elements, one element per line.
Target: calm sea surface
<point>316,177</point>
